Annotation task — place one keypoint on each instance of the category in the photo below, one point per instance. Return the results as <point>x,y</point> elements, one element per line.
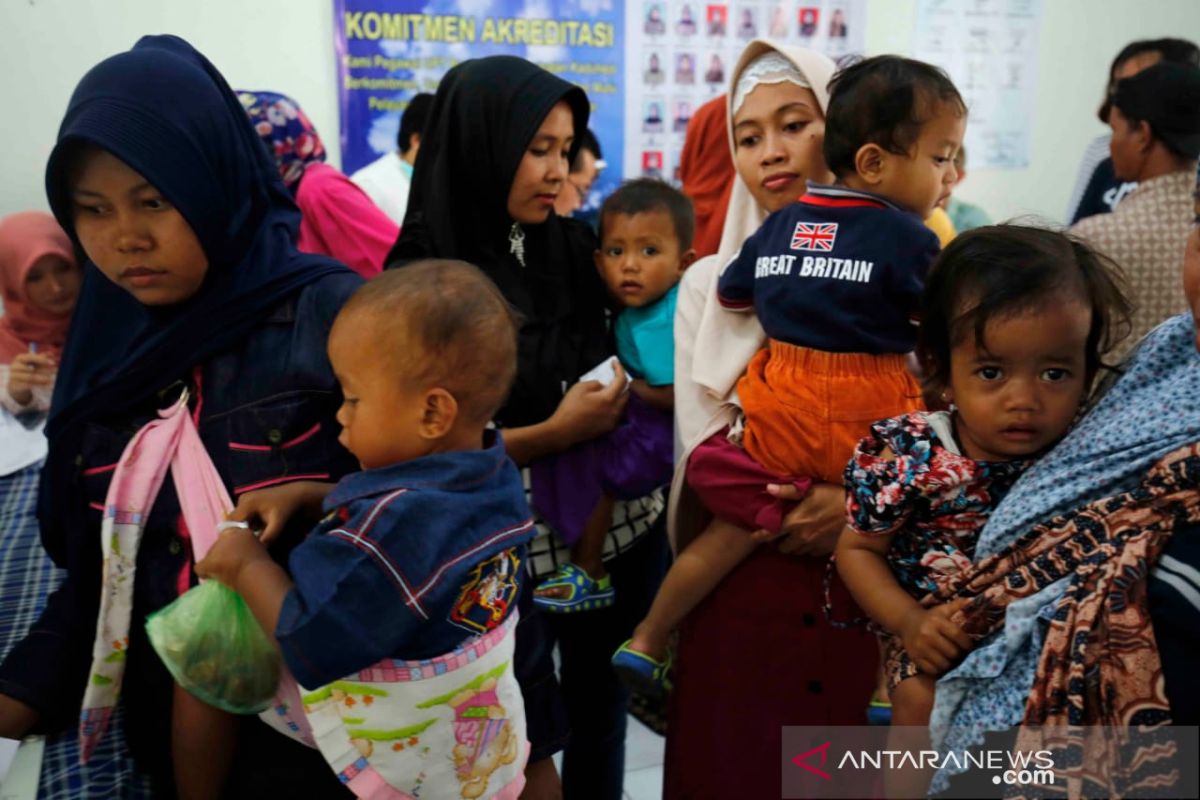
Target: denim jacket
<point>413,559</point>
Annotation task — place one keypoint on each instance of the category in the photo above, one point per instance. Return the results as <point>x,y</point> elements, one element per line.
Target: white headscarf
<point>712,345</point>
<point>744,215</point>
<point>769,67</point>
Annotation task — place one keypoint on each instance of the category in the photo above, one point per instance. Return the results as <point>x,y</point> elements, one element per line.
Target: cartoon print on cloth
<point>483,734</point>
<point>489,593</point>
<point>446,728</point>
<point>350,694</point>
<point>170,442</point>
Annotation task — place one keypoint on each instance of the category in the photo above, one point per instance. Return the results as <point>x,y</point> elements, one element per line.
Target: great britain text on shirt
<point>838,270</point>
<point>842,269</point>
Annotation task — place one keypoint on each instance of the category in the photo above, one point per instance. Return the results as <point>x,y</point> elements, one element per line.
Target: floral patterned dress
<point>910,480</point>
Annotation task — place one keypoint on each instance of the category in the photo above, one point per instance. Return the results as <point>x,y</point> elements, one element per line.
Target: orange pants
<point>806,410</point>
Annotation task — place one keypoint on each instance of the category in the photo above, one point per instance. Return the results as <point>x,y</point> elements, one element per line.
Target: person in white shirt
<point>585,168</point>
<point>387,178</point>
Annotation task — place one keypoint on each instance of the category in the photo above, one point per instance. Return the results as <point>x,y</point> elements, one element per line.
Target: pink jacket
<point>340,221</point>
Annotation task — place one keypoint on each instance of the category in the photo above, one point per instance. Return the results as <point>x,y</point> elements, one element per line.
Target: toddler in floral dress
<point>1015,321</point>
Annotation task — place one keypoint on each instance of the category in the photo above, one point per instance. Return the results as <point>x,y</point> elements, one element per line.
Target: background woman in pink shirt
<point>337,217</point>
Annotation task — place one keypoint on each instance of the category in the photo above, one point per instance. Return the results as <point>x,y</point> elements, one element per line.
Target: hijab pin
<point>516,243</point>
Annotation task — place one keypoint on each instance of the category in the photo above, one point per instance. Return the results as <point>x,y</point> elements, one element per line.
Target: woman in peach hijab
<point>39,284</point>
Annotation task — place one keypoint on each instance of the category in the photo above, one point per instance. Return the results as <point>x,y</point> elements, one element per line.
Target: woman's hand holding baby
<point>932,640</point>
<point>590,409</point>
<point>812,527</point>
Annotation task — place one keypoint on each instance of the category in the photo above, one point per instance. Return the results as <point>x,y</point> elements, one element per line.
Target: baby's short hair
<point>882,100</point>
<point>442,322</point>
<point>642,195</point>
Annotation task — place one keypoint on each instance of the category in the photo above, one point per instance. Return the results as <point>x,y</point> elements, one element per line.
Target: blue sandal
<point>879,712</point>
<point>640,672</point>
<point>584,593</point>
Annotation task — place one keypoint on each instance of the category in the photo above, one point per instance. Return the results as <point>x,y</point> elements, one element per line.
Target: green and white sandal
<point>584,593</point>
<point>640,672</point>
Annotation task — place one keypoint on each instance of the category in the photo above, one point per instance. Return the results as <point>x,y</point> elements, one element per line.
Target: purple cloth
<point>630,462</point>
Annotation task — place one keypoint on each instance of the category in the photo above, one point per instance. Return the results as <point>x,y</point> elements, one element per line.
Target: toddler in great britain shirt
<point>836,278</point>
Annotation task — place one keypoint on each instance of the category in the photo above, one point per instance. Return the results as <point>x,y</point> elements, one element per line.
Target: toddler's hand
<point>934,642</point>
<point>233,550</point>
<point>271,508</point>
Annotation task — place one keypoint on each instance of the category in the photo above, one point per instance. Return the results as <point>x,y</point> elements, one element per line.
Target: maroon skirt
<point>756,655</point>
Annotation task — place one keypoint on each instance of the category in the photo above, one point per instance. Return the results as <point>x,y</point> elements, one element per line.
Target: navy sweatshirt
<point>839,270</point>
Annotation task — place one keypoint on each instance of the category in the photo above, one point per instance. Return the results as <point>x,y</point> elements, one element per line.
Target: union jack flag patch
<point>814,236</point>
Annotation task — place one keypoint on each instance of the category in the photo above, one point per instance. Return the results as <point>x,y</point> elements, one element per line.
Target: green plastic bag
<point>215,648</point>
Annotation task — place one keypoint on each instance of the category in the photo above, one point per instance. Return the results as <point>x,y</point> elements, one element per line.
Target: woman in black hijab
<point>480,133</point>
<point>494,154</point>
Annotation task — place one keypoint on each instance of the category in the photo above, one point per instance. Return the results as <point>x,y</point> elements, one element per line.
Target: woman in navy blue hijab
<point>193,281</point>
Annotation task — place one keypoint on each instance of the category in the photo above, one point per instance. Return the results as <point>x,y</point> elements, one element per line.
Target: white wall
<point>47,45</point>
<point>286,45</point>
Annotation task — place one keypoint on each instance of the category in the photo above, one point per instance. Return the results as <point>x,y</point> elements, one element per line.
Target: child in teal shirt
<point>646,230</point>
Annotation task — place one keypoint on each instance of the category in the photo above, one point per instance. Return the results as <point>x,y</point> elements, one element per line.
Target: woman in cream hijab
<point>757,653</point>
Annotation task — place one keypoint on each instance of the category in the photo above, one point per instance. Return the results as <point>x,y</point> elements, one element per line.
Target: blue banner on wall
<point>389,50</point>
